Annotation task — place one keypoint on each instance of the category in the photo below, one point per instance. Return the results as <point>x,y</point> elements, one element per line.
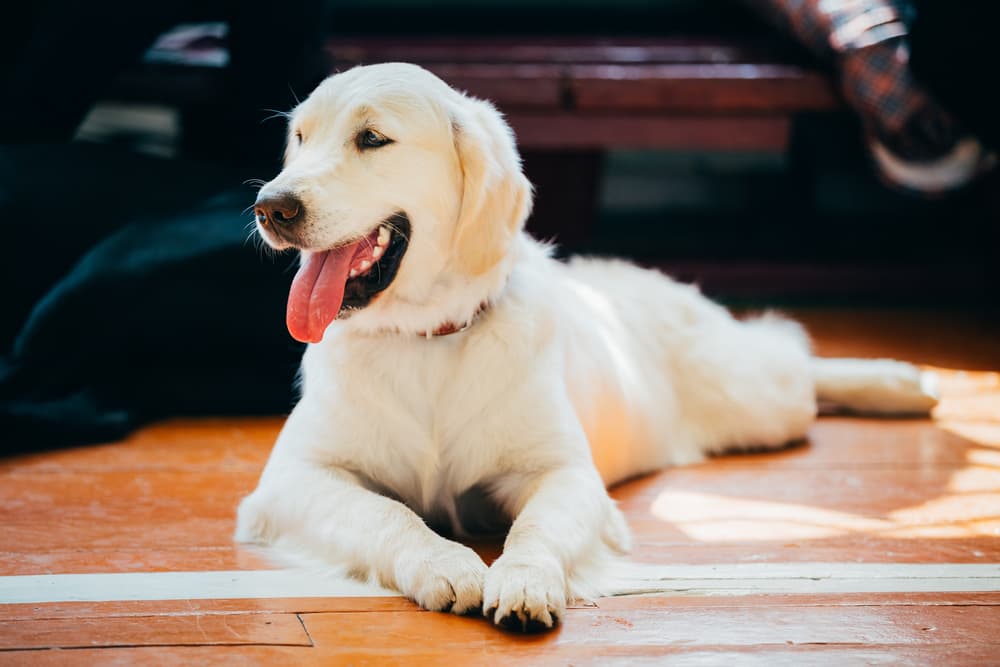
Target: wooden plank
<point>173,656</point>
<point>787,635</point>
<point>25,558</point>
<point>158,630</point>
<point>516,655</point>
<point>631,632</point>
<point>602,131</point>
<point>63,610</point>
<point>658,77</point>
<point>84,510</point>
<point>510,86</point>
<point>215,444</point>
<point>548,49</point>
<point>700,88</point>
<point>23,494</point>
<point>289,605</point>
<point>687,627</point>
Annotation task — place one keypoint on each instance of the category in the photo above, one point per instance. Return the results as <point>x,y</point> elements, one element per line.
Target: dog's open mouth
<point>344,278</point>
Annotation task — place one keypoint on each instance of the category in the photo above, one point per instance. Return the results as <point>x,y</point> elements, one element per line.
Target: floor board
<point>155,630</point>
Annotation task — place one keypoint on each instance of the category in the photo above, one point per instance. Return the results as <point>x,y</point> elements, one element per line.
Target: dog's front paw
<point>522,595</point>
<point>448,577</point>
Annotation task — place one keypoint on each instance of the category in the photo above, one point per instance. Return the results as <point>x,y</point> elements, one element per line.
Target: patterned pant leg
<point>866,41</point>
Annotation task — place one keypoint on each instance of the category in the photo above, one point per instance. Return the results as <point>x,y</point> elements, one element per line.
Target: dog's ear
<point>496,196</point>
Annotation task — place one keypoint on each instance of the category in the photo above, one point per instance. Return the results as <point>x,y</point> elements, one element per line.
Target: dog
<point>459,377</point>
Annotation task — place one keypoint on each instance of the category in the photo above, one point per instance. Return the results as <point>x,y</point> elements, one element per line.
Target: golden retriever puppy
<point>458,376</point>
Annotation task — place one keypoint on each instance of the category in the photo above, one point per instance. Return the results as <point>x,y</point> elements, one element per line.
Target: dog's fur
<point>573,377</point>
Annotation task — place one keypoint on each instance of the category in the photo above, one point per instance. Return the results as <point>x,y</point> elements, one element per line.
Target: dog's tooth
<point>383,235</point>
<point>365,265</point>
<point>377,252</point>
<point>353,273</point>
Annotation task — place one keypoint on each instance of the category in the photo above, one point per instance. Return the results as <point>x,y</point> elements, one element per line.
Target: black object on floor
<point>172,312</point>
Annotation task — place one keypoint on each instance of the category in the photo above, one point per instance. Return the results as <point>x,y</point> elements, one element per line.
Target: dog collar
<point>449,328</point>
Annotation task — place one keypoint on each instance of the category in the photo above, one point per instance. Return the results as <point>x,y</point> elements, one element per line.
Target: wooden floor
<point>877,542</point>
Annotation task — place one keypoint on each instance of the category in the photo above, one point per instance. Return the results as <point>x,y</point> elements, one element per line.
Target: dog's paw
<point>524,596</point>
<point>448,577</point>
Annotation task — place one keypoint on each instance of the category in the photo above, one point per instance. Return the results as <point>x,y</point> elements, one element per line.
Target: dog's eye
<point>298,136</point>
<point>372,139</point>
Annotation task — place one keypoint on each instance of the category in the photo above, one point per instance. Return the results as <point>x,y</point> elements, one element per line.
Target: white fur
<point>576,376</point>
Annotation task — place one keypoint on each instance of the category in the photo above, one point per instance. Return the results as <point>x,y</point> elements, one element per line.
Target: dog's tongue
<point>317,292</point>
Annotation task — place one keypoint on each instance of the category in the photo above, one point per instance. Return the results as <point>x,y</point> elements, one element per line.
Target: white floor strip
<point>181,586</point>
<point>630,579</point>
<point>803,578</point>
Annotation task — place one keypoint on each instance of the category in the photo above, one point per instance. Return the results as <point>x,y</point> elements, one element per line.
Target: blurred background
<point>778,152</point>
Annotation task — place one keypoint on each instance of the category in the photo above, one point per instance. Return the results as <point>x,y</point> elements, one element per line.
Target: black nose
<point>281,210</point>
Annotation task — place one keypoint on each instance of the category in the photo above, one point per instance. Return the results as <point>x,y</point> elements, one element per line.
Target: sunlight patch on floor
<point>970,409</point>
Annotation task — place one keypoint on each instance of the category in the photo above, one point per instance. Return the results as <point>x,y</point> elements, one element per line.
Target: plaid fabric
<point>877,82</point>
<point>866,41</point>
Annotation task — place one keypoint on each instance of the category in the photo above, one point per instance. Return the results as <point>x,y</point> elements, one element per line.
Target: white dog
<point>458,375</point>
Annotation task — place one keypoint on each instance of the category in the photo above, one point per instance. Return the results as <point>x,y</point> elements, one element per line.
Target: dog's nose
<point>281,210</point>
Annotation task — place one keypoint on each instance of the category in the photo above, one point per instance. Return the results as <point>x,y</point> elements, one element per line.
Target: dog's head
<point>403,195</point>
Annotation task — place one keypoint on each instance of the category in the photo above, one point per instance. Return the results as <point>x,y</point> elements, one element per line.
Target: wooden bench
<point>570,99</point>
<point>585,93</point>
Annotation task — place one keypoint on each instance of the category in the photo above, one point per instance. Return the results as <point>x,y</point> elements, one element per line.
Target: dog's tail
<point>873,387</point>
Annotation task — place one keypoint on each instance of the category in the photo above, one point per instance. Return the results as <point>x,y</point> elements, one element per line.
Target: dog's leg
<point>561,520</point>
<point>327,513</point>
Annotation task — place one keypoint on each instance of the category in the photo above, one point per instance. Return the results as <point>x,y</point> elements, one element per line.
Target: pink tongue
<point>317,292</point>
